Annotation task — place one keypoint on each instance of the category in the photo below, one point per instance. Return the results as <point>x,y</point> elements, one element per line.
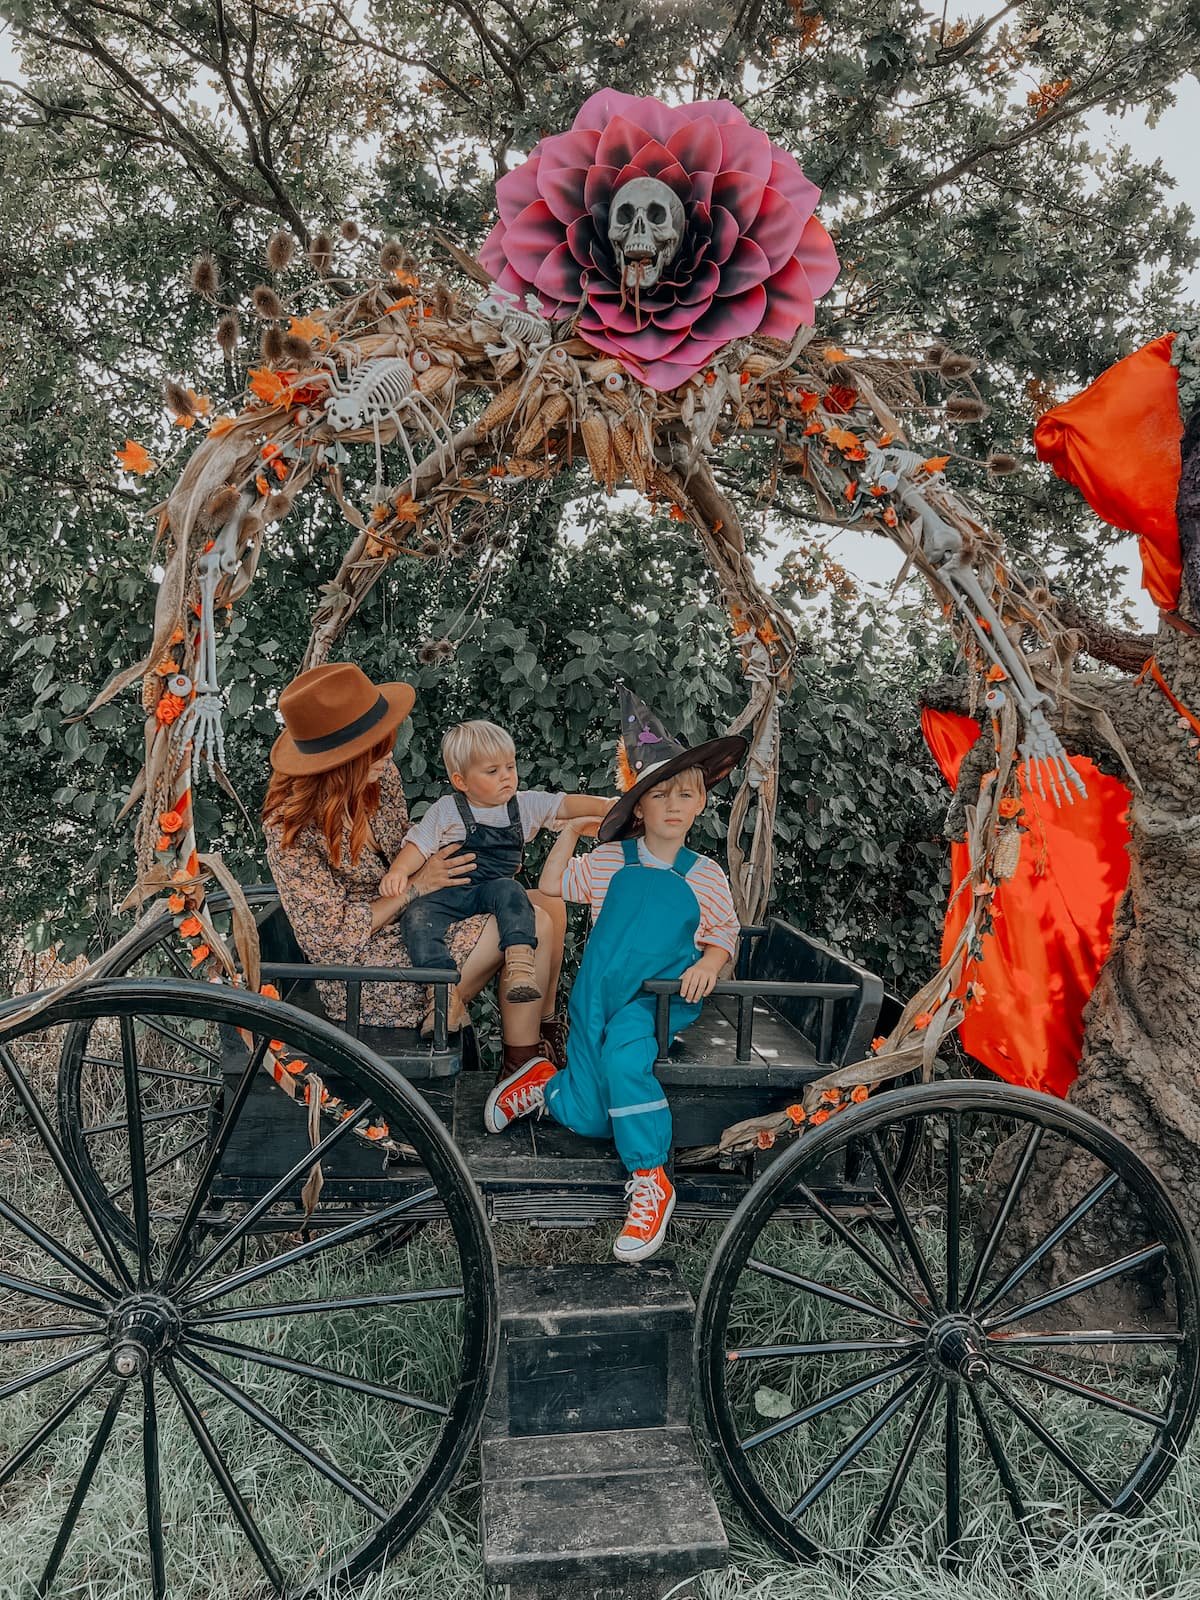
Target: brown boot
<point>520,976</point>
<point>458,1018</point>
<point>554,1037</point>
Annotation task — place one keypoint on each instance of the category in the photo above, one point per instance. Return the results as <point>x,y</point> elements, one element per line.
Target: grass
<point>415,1348</point>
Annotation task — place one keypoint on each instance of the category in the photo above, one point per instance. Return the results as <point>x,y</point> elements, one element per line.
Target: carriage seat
<point>420,1060</point>
<point>760,1039</point>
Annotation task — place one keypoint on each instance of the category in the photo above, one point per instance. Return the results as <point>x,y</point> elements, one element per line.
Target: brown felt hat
<point>332,714</point>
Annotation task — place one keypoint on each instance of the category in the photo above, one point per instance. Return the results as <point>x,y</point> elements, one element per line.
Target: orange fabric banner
<point>1118,443</point>
<point>1052,921</point>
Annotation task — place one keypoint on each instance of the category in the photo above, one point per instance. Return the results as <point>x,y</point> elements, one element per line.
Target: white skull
<point>645,228</point>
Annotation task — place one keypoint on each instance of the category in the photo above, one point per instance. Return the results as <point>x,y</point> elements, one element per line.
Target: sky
<point>874,561</point>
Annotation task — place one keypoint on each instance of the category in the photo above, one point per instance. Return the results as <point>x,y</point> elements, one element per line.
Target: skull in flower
<point>671,230</point>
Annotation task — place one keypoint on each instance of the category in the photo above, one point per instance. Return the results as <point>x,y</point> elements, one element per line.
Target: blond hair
<point>469,743</point>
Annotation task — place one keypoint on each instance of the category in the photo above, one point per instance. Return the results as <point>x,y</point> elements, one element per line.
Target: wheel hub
<point>957,1346</point>
<point>141,1328</point>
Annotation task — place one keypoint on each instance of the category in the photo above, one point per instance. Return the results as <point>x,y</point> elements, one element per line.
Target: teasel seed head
<point>281,247</point>
<point>271,346</point>
<point>229,329</point>
<point>266,302</point>
<point>297,349</point>
<point>178,400</point>
<point>965,408</point>
<point>320,252</point>
<point>1000,464</point>
<point>206,280</point>
<point>953,365</point>
<point>933,356</point>
<point>349,230</point>
<point>222,505</point>
<point>391,257</point>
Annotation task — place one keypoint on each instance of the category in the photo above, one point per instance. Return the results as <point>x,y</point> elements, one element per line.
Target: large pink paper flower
<point>753,258</point>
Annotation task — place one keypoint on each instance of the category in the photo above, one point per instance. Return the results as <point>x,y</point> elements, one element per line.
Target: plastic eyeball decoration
<point>994,699</point>
<point>888,480</point>
<point>420,360</point>
<point>559,355</point>
<point>180,685</point>
<point>614,382</point>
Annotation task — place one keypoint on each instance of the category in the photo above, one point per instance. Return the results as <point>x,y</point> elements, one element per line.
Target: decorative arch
<point>470,397</point>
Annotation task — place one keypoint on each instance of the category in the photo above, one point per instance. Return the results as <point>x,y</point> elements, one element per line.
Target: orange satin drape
<point>1118,443</point>
<point>1052,921</point>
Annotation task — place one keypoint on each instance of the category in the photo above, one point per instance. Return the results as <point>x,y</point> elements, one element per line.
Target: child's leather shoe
<point>520,975</point>
<point>457,1017</point>
<point>651,1196</point>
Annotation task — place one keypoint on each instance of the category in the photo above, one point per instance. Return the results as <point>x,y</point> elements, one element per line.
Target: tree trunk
<point>1140,1068</point>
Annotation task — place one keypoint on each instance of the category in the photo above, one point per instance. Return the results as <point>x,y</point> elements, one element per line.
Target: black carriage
<point>267,1326</point>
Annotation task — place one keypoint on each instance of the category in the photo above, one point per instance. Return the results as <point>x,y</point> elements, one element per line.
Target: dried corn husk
<point>1007,853</point>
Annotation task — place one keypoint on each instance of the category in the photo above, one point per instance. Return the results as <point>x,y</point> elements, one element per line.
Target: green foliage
<point>138,137</point>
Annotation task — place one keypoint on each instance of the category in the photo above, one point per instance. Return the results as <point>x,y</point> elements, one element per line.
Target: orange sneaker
<point>517,1095</point>
<point>651,1196</point>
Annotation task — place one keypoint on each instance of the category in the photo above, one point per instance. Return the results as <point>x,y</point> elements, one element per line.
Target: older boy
<point>659,911</point>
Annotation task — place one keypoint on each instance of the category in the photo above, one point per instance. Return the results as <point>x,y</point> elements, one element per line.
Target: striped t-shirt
<point>587,878</point>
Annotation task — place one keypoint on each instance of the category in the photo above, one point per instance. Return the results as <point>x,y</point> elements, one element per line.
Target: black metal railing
<point>439,979</point>
<point>746,992</point>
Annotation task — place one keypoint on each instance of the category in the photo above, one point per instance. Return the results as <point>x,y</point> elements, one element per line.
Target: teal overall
<point>646,929</point>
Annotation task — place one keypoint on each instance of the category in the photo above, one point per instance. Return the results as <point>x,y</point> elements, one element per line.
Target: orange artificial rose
<point>922,1019</point>
<point>830,1097</point>
<point>797,1114</point>
<point>878,1042</point>
<point>1009,807</point>
<point>269,989</point>
<point>859,1093</point>
<point>190,927</point>
<point>168,708</point>
<point>162,842</point>
<point>176,903</point>
<point>170,821</point>
<point>818,1117</point>
<point>200,953</point>
<point>764,1139</point>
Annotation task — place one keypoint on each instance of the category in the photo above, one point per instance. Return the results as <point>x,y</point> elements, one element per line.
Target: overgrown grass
<point>416,1350</point>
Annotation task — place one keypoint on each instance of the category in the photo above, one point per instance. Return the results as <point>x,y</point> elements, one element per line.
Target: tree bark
<point>1140,1067</point>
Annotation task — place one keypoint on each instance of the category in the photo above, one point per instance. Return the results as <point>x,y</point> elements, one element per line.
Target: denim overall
<point>646,929</point>
<point>491,891</point>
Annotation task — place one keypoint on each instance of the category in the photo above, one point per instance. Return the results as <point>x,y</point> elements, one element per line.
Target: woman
<point>334,817</point>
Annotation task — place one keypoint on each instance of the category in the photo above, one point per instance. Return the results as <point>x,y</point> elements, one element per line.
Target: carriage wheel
<point>1047,1365</point>
<point>252,1389</point>
<point>180,1080</point>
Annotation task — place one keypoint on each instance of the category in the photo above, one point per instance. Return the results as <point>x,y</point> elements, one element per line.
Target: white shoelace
<point>645,1194</point>
<point>531,1098</point>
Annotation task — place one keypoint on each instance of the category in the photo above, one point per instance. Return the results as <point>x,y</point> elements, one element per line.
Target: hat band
<point>330,741</point>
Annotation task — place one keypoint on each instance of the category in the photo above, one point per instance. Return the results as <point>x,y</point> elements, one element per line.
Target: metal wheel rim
<point>744,1228</point>
<point>71,1121</point>
<point>394,1096</point>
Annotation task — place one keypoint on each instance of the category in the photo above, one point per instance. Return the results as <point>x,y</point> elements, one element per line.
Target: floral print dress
<point>329,908</point>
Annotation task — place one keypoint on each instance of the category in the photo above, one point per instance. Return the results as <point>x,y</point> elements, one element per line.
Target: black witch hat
<point>648,755</point>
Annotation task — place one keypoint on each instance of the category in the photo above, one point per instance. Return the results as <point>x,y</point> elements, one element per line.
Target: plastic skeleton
<point>498,322</point>
<point>943,548</point>
<point>203,723</point>
<point>381,390</point>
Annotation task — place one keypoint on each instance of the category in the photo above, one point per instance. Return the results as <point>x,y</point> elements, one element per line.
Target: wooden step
<point>589,1347</point>
<point>616,1507</point>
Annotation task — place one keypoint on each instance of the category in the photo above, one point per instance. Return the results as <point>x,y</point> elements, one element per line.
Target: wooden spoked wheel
<point>253,1387</point>
<point>180,1079</point>
<point>994,1362</point>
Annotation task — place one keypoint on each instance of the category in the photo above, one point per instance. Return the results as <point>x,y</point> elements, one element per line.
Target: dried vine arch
<point>477,397</point>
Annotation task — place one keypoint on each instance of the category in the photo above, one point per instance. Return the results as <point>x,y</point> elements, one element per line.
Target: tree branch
<point>1097,89</point>
<point>1116,647</point>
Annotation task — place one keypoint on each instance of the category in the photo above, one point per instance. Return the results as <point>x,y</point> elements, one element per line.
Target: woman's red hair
<point>327,799</point>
